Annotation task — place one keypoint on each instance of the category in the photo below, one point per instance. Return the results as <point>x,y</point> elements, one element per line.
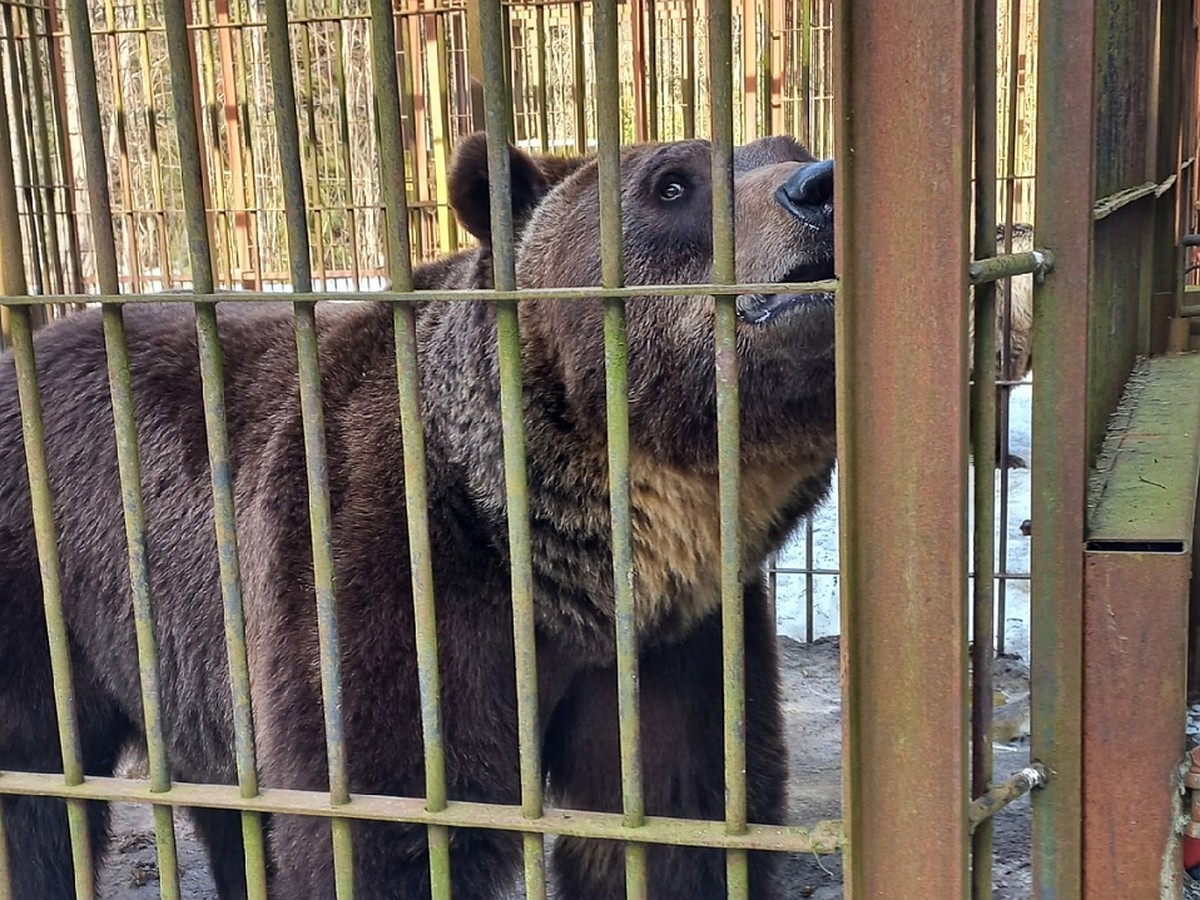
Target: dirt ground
<point>813,705</point>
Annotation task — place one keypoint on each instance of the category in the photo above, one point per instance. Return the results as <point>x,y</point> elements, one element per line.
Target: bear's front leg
<point>682,759</point>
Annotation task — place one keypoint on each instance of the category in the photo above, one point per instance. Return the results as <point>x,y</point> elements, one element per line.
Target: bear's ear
<point>532,177</point>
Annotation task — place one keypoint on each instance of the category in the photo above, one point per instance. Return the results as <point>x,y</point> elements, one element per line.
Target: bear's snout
<point>808,193</point>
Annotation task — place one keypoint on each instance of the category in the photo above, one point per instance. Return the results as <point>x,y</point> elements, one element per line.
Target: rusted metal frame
<point>466,296</point>
<point>1138,563</point>
<point>499,122</point>
<point>416,502</point>
<point>983,429</point>
<point>58,92</point>
<point>1063,223</point>
<point>903,80</point>
<point>20,322</point>
<point>809,600</point>
<point>823,837</point>
<point>637,29</point>
<point>616,367</point>
<point>652,82</point>
<point>279,54</point>
<point>733,639</point>
<point>179,53</point>
<point>1001,795</point>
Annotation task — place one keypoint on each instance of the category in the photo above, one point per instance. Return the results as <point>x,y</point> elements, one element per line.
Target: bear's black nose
<point>808,189</point>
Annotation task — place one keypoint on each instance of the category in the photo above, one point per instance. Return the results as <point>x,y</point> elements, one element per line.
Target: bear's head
<point>783,220</point>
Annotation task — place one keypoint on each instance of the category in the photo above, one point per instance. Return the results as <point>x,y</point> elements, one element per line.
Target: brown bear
<point>784,222</point>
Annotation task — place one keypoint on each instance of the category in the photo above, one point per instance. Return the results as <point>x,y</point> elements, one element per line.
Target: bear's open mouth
<point>759,309</point>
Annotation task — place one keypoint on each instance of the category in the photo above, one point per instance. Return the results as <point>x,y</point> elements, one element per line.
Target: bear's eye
<point>672,189</point>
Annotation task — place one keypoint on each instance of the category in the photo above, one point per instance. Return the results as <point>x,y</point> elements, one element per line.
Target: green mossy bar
<point>497,115</point>
<point>320,516</point>
<point>213,390</point>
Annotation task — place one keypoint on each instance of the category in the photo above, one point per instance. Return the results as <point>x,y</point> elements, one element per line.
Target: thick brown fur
<point>786,384</point>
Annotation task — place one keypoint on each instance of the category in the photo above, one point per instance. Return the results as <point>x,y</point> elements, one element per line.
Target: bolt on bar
<point>128,464</point>
<point>616,360</point>
<point>279,52</point>
<point>720,56</point>
<point>1012,788</point>
<point>497,113</point>
<point>983,428</point>
<point>416,500</point>
<point>213,389</point>
<point>12,281</point>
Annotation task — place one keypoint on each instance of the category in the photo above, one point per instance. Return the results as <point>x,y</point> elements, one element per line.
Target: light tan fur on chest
<point>677,531</point>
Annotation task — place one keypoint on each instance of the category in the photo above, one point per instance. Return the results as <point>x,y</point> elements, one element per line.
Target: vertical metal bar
<point>497,114</point>
<point>983,421</point>
<point>241,261</point>
<point>903,79</point>
<point>120,120</point>
<point>689,78</point>
<point>213,387</point>
<point>279,52</point>
<point>156,181</point>
<point>806,48</point>
<point>344,144</point>
<point>809,600</point>
<point>12,276</point>
<point>21,331</point>
<point>1066,129</point>
<point>720,54</point>
<point>58,92</point>
<point>12,283</point>
<point>579,78</point>
<point>543,94</point>
<point>1004,390</point>
<point>652,129</point>
<point>616,352</point>
<point>129,467</point>
<point>439,127</point>
<point>43,152</point>
<point>416,500</point>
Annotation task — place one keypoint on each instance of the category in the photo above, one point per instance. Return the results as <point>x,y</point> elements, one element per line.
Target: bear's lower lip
<point>760,309</point>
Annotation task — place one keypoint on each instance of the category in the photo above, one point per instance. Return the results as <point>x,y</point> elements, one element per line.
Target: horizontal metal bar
<point>1012,788</point>
<point>565,293</point>
<point>823,837</point>
<point>1031,262</point>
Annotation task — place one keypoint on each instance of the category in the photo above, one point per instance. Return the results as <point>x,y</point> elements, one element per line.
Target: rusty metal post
<point>1066,130</point>
<point>903,82</point>
<point>1137,570</point>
